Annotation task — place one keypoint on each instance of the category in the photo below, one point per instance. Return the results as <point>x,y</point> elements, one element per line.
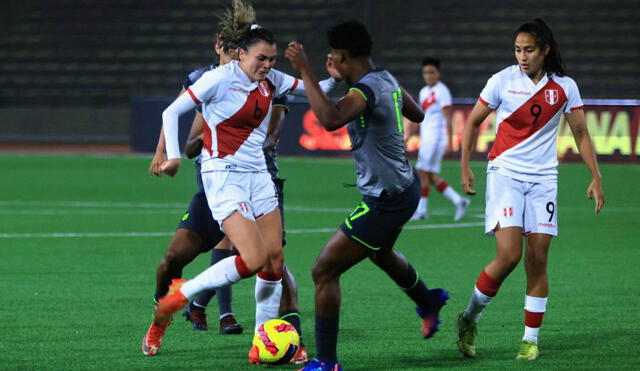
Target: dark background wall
<point>70,68</point>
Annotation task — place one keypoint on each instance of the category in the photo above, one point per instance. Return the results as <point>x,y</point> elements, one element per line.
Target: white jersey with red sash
<point>433,99</point>
<point>527,120</point>
<point>236,111</point>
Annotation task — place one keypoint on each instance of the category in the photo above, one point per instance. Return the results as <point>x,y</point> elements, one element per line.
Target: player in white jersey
<point>236,106</point>
<point>529,99</point>
<point>436,132</point>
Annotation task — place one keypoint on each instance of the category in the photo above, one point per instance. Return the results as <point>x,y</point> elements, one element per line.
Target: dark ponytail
<point>253,34</point>
<point>544,37</point>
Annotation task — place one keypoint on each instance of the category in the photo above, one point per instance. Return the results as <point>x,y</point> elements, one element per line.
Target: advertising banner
<point>613,126</point>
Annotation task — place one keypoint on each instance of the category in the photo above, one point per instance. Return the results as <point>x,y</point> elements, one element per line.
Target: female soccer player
<point>436,132</point>
<point>236,102</point>
<point>521,196</point>
<point>372,111</point>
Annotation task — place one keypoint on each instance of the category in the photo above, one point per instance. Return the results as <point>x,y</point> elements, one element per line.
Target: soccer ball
<point>277,341</point>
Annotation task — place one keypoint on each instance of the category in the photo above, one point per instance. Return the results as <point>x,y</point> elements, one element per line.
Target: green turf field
<point>80,238</point>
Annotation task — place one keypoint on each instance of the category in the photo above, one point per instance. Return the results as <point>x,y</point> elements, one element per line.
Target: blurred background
<point>97,73</point>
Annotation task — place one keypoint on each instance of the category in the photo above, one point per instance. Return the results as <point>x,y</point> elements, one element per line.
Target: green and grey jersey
<point>377,138</point>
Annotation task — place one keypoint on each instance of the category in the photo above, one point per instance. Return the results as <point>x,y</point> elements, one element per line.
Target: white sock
<point>477,303</point>
<point>422,205</point>
<point>452,195</point>
<point>534,305</point>
<point>268,295</point>
<point>220,274</point>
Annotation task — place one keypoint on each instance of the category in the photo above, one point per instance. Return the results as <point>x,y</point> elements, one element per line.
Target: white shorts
<point>252,194</point>
<point>431,151</point>
<point>514,203</point>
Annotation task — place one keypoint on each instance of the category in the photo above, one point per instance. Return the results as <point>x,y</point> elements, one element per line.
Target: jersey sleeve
<point>366,92</point>
<point>444,97</point>
<point>283,83</point>
<point>574,101</point>
<point>490,95</point>
<point>207,88</point>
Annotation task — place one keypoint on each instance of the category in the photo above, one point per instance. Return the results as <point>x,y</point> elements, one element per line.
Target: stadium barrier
<point>613,125</point>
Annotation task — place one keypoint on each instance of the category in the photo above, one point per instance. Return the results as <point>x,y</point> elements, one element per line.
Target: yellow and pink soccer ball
<point>277,341</point>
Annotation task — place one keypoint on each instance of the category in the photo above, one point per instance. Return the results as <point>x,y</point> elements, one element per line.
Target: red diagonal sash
<point>532,116</point>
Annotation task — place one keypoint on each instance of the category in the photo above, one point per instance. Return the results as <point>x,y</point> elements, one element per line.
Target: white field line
<point>167,234</point>
<point>168,208</point>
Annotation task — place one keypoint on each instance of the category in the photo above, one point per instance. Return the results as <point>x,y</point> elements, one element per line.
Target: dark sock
<point>223,293</point>
<point>293,317</point>
<point>326,339</point>
<point>414,287</point>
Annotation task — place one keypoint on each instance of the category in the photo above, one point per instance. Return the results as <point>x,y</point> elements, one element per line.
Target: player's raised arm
<point>330,115</point>
<point>578,126</point>
<point>469,139</point>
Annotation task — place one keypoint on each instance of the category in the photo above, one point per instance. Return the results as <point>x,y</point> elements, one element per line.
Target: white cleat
<point>419,215</point>
<point>461,208</point>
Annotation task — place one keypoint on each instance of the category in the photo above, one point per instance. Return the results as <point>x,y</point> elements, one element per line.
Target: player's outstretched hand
<point>156,163</point>
<point>467,180</point>
<point>595,190</point>
<point>331,68</point>
<point>296,56</point>
<point>171,167</point>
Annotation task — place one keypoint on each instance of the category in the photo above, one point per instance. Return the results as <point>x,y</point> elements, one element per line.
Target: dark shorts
<point>377,221</point>
<point>198,219</point>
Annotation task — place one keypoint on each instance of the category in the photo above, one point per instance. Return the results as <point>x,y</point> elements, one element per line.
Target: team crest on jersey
<point>263,87</point>
<point>551,96</point>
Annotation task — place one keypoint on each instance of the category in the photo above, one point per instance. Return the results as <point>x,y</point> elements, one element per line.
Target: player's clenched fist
<point>296,56</point>
<point>171,167</point>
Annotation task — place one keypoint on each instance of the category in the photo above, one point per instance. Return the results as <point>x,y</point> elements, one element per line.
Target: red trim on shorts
<point>193,96</point>
<point>576,108</point>
<point>442,185</point>
<point>425,192</point>
<point>270,276</point>
<point>532,319</point>
<point>295,85</point>
<point>487,285</point>
<point>242,268</point>
<point>483,101</point>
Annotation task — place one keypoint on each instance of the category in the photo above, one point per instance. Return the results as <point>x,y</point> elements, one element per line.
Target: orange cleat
<point>153,338</point>
<point>254,355</point>
<point>300,357</point>
<point>170,303</point>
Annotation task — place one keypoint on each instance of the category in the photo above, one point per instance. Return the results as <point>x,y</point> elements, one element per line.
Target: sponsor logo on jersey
<point>551,96</point>
<point>239,90</point>
<point>519,92</point>
<point>263,87</point>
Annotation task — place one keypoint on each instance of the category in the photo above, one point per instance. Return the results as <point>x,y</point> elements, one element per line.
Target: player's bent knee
<point>322,273</point>
<point>255,262</point>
